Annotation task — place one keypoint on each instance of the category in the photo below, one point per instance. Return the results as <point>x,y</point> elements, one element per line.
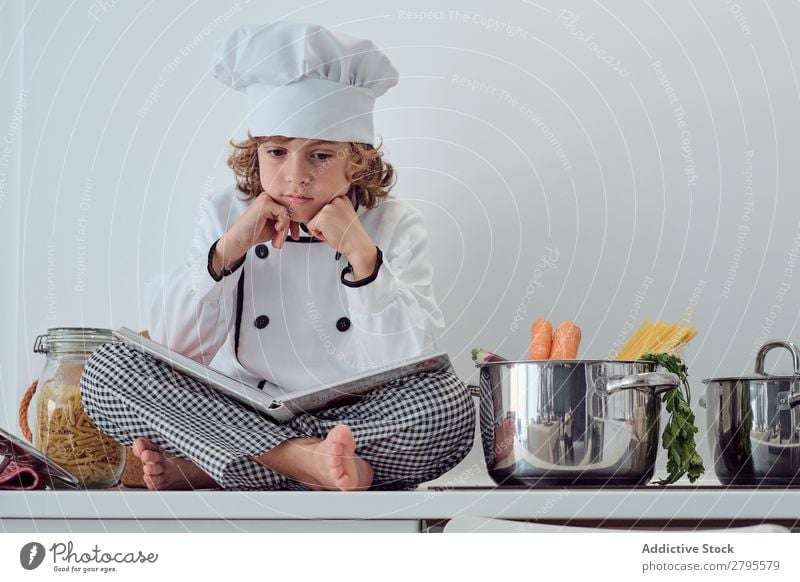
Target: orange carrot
<point>541,340</point>
<point>566,340</point>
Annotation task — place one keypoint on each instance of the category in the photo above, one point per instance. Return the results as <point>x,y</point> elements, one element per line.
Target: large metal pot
<point>754,424</point>
<point>571,422</point>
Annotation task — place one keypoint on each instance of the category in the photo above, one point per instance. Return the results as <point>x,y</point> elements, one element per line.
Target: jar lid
<point>64,340</point>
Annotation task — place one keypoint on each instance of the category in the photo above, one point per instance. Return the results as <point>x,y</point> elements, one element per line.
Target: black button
<point>262,321</point>
<point>262,251</point>
<point>343,324</point>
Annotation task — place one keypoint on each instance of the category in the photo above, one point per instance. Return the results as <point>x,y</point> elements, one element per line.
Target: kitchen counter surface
<point>140,510</point>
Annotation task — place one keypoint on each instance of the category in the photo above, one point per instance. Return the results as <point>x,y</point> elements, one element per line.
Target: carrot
<point>566,340</point>
<point>541,340</point>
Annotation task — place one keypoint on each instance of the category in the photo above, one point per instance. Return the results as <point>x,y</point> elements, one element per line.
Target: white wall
<point>12,108</point>
<point>618,135</point>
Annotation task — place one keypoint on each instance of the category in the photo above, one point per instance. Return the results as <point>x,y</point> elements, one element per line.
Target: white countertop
<point>649,503</point>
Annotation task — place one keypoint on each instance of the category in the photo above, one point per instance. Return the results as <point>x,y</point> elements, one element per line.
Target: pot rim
<point>565,362</point>
<point>765,377</point>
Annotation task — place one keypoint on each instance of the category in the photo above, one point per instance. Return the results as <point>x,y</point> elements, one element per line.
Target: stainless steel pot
<point>571,422</point>
<point>754,422</point>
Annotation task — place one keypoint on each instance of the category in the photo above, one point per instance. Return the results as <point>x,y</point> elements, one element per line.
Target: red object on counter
<point>15,477</point>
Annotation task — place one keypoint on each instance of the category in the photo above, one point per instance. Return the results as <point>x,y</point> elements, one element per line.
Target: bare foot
<point>331,463</point>
<point>338,466</point>
<point>169,472</point>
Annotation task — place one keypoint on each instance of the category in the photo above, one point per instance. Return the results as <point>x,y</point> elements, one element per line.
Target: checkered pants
<point>410,431</point>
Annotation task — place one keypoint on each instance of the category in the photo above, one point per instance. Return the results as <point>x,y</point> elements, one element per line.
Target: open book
<point>287,407</point>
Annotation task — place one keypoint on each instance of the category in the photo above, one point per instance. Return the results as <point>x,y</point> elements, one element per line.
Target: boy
<point>286,311</point>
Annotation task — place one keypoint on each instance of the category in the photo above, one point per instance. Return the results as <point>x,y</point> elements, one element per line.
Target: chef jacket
<point>293,318</point>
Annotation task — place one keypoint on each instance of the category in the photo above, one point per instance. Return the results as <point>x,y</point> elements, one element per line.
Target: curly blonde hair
<point>372,177</point>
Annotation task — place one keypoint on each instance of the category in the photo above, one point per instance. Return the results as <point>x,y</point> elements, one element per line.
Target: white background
<point>239,555</point>
<point>570,142</point>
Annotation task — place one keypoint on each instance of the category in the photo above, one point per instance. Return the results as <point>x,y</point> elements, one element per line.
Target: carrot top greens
<point>678,436</point>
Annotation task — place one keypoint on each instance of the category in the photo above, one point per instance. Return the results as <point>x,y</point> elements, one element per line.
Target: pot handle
<point>788,400</point>
<point>772,344</point>
<point>657,382</point>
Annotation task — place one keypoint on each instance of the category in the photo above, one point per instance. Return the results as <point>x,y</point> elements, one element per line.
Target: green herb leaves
<point>678,436</point>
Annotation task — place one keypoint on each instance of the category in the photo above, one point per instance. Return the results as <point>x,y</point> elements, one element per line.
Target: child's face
<point>312,168</point>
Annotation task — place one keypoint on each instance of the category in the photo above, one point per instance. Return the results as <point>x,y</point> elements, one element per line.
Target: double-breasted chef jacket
<point>293,318</point>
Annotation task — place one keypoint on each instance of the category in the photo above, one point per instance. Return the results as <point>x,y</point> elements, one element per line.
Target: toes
<point>141,444</point>
<point>138,447</point>
<point>159,482</point>
<point>348,440</point>
<point>152,457</point>
<point>340,433</point>
<point>342,437</point>
<point>153,469</point>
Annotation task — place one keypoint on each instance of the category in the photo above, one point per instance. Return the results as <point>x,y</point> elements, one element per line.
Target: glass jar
<point>59,425</point>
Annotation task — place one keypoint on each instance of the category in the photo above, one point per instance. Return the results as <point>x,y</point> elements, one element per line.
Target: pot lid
<point>759,373</point>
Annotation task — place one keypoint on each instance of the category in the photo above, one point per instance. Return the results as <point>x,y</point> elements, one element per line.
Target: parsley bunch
<point>678,436</point>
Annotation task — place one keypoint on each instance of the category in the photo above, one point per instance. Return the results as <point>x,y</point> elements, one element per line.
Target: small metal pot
<point>754,424</point>
<point>571,422</point>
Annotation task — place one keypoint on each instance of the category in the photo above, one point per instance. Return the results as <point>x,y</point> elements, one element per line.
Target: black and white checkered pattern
<point>410,431</point>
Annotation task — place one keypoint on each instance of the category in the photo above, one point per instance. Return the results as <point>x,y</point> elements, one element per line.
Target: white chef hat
<point>302,80</point>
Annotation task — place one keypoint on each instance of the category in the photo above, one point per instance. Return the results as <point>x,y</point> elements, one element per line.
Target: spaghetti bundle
<point>655,338</point>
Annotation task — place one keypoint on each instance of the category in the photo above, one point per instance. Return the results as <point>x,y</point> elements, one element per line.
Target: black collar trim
<point>304,239</point>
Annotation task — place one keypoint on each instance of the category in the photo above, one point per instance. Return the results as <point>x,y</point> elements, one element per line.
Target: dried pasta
<point>657,337</point>
<point>67,435</point>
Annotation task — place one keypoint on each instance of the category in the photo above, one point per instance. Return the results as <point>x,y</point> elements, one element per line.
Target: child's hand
<point>337,224</point>
<point>264,220</point>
